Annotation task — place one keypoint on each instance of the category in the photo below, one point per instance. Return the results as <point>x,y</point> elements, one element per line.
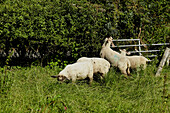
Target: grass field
<point>31,90</point>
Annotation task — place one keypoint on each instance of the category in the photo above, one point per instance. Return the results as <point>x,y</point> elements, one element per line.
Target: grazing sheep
<point>76,71</point>
<point>116,59</point>
<point>100,65</point>
<point>135,61</point>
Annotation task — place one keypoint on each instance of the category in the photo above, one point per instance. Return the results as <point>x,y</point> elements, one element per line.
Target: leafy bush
<point>52,30</point>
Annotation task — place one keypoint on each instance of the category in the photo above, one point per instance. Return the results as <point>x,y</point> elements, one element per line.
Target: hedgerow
<point>64,30</point>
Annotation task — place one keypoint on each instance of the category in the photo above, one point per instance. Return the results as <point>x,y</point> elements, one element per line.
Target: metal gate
<point>139,45</point>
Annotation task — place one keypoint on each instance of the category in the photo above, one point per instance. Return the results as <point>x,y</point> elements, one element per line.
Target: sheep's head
<point>108,40</point>
<point>124,52</point>
<point>61,78</point>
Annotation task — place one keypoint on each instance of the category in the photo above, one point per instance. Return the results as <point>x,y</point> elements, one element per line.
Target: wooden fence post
<point>167,61</point>
<point>162,63</point>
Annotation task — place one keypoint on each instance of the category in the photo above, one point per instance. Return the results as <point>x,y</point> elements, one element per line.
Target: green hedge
<point>64,30</point>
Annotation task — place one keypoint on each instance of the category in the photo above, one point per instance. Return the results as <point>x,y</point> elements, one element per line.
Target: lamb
<point>76,71</point>
<point>135,61</point>
<point>116,59</point>
<point>100,65</point>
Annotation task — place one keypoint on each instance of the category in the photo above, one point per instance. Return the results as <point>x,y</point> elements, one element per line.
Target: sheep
<point>76,71</point>
<point>135,61</point>
<point>116,59</point>
<point>100,65</point>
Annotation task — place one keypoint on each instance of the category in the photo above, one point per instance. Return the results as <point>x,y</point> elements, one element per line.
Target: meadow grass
<point>31,90</point>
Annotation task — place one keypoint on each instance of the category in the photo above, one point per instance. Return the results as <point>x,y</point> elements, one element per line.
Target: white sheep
<point>100,65</point>
<point>135,61</point>
<point>76,71</point>
<point>116,59</point>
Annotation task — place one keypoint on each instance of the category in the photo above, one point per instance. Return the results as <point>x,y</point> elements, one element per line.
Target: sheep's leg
<point>128,71</point>
<point>123,71</point>
<point>91,78</point>
<point>141,66</point>
<point>144,66</point>
<point>73,80</point>
<point>128,68</point>
<point>102,76</point>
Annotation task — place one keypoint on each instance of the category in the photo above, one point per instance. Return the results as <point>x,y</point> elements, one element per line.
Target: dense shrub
<point>64,30</point>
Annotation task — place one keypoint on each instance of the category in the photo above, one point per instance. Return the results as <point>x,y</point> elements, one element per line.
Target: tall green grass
<point>31,89</point>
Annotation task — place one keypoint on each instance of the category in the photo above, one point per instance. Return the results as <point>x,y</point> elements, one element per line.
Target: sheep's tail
<point>147,60</point>
<point>128,69</point>
<point>54,76</point>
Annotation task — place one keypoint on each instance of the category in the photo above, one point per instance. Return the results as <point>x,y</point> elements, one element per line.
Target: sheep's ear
<point>124,50</point>
<point>54,76</point>
<point>128,53</point>
<point>120,50</point>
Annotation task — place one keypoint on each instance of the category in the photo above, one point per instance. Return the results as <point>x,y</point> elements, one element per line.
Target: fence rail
<point>143,45</point>
<point>139,45</point>
<point>149,51</point>
<point>126,40</point>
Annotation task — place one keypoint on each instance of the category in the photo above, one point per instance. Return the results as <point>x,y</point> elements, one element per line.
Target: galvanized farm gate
<point>139,45</point>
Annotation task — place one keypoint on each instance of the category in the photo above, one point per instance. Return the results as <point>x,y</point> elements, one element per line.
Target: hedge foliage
<point>64,30</point>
